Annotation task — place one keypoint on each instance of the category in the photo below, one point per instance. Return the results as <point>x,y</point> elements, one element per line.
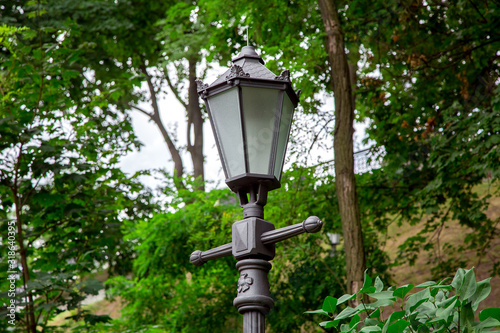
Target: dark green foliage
<point>430,89</point>
<point>167,289</point>
<point>59,185</point>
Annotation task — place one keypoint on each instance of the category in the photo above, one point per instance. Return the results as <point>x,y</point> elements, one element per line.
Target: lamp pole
<point>253,234</point>
<point>250,110</point>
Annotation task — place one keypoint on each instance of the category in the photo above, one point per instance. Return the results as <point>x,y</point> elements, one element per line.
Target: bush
<point>437,307</point>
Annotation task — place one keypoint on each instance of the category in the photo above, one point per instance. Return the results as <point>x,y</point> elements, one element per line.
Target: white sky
<point>155,155</point>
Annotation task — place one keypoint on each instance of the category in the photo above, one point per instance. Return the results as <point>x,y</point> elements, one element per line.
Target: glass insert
<point>225,112</point>
<point>284,132</point>
<point>259,112</point>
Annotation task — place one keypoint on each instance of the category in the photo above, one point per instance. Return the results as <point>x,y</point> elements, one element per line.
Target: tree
<point>430,88</point>
<point>59,185</point>
<point>184,37</point>
<point>167,291</point>
<point>412,58</point>
<point>343,80</point>
<point>151,45</point>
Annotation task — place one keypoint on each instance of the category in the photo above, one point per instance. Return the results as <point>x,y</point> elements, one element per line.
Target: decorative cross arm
<point>310,225</point>
<point>198,257</point>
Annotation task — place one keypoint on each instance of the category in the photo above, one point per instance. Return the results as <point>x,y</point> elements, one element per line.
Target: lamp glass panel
<point>225,111</point>
<point>259,114</point>
<point>284,132</point>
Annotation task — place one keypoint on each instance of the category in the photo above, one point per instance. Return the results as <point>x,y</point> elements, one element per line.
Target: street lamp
<point>251,110</point>
<point>334,240</point>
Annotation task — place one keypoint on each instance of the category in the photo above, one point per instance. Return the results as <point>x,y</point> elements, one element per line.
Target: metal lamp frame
<point>253,238</point>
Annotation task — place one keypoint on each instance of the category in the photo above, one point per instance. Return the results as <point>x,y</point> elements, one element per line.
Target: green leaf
<point>426,309</point>
<point>426,284</point>
<point>466,315</point>
<point>320,311</point>
<point>482,291</point>
<point>396,315</point>
<point>368,329</point>
<point>401,292</point>
<point>490,313</point>
<point>458,279</point>
<point>383,295</point>
<point>446,313</point>
<point>469,285</point>
<point>371,322</point>
<point>398,327</point>
<point>328,324</point>
<point>329,304</point>
<point>489,322</point>
<point>90,286</point>
<point>346,313</point>
<point>378,303</point>
<point>379,285</point>
<point>416,299</point>
<point>375,314</point>
<point>367,284</point>
<point>346,329</point>
<point>446,302</point>
<point>345,297</point>
<point>354,321</point>
<point>393,317</point>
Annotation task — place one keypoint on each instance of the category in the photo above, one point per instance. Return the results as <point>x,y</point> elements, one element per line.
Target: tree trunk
<point>343,146</point>
<point>155,116</point>
<point>29,310</point>
<point>195,125</point>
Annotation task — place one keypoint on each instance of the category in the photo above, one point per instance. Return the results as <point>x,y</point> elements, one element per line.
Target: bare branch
<point>175,91</point>
<point>174,152</point>
<point>135,107</point>
<point>152,91</point>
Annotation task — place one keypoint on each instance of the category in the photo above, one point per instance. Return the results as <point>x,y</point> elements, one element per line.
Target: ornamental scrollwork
<point>244,283</point>
<point>284,76</point>
<point>236,71</point>
<point>200,85</point>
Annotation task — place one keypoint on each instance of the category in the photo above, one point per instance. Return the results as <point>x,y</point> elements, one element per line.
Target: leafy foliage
<point>437,307</point>
<point>167,291</point>
<point>429,86</point>
<point>59,185</point>
<point>427,82</point>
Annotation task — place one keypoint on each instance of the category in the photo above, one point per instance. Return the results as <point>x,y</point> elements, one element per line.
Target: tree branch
<point>174,152</point>
<point>140,110</point>
<point>478,11</point>
<point>41,233</point>
<point>175,91</point>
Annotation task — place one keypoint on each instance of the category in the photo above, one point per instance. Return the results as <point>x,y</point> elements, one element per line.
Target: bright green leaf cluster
<point>437,307</point>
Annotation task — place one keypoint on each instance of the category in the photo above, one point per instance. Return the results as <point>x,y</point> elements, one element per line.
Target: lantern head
<point>250,110</point>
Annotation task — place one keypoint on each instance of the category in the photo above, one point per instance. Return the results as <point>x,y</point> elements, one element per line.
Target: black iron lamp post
<point>251,110</point>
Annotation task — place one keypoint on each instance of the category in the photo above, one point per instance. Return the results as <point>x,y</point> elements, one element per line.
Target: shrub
<point>436,307</point>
